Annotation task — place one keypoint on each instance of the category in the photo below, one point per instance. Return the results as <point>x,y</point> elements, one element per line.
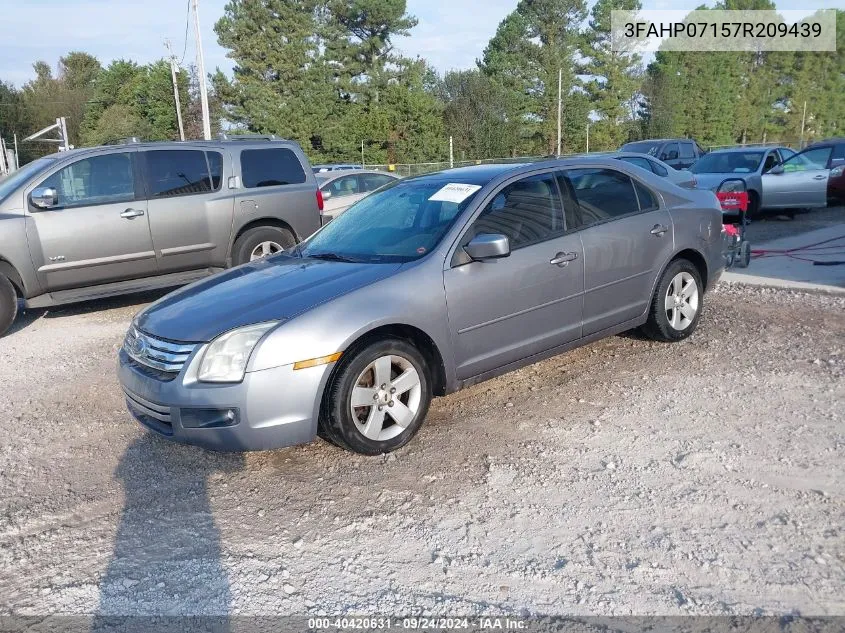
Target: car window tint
<point>658,169</point>
<point>639,162</point>
<point>771,161</point>
<point>839,152</point>
<point>270,167</point>
<point>526,211</point>
<point>670,152</point>
<point>215,168</point>
<point>96,180</point>
<point>345,186</point>
<point>785,153</point>
<point>808,160</point>
<point>176,172</point>
<point>602,194</point>
<point>687,150</point>
<point>371,182</point>
<point>647,200</point>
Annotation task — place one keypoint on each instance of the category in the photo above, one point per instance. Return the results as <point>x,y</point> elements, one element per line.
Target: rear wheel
<point>8,304</point>
<point>261,242</point>
<point>677,303</point>
<point>378,399</point>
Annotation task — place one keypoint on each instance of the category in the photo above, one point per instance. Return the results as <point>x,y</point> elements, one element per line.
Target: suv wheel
<point>378,398</point>
<point>8,304</point>
<point>677,303</point>
<point>260,242</point>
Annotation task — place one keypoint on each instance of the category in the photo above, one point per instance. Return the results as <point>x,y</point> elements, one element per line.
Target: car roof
<point>755,148</point>
<point>200,143</point>
<point>325,176</point>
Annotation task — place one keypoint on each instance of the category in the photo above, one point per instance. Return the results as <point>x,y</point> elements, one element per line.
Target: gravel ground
<point>626,477</point>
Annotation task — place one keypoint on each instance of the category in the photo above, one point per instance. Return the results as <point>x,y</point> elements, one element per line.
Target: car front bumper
<point>273,408</point>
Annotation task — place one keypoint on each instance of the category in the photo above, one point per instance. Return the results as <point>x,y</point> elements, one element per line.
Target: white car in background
<point>341,189</point>
<point>680,177</point>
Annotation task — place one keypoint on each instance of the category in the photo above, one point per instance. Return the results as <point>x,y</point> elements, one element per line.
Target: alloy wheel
<point>386,398</point>
<point>681,303</point>
<point>265,249</point>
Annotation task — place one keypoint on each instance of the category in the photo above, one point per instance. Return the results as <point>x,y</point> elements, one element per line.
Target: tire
<point>659,326</point>
<point>362,371</point>
<point>252,240</point>
<point>8,304</point>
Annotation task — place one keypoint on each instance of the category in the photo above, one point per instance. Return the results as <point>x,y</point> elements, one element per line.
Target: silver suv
<point>104,221</point>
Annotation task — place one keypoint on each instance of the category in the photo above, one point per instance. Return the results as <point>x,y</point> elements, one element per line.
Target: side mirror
<point>777,169</point>
<point>488,246</point>
<point>44,197</point>
<point>327,194</point>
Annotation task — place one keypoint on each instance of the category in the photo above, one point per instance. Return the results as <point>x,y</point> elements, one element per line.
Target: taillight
<point>836,172</point>
<point>320,203</point>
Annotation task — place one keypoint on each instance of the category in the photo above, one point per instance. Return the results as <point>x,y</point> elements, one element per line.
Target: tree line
<point>327,73</point>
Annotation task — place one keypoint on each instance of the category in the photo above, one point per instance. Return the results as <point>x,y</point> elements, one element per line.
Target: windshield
<point>728,163</point>
<point>19,177</point>
<point>400,223</point>
<point>643,147</point>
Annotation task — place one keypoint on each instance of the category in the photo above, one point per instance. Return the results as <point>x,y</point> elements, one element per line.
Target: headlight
<point>226,357</point>
<point>837,171</point>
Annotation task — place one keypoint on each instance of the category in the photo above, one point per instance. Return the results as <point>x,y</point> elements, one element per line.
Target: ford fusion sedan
<point>426,286</point>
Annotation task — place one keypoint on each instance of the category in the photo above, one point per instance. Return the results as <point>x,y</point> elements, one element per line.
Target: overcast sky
<point>451,34</point>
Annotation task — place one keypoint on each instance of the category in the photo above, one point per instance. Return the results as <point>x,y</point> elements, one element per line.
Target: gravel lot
<point>627,477</point>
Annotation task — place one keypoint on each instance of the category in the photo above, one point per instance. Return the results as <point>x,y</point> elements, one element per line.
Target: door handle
<point>563,259</point>
<point>130,214</point>
<point>659,230</point>
<point>819,177</point>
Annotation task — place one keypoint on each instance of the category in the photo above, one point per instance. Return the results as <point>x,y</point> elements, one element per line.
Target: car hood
<point>272,289</point>
<point>712,181</point>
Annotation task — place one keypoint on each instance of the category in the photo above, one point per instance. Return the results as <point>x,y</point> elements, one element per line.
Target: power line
<point>187,22</point>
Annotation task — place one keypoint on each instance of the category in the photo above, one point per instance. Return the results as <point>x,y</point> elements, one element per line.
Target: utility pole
<point>362,155</point>
<point>17,157</point>
<point>559,104</point>
<point>451,154</point>
<point>588,137</point>
<point>803,119</point>
<point>175,90</point>
<point>206,122</point>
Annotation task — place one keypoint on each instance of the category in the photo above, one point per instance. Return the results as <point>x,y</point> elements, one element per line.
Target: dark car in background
<point>680,153</point>
<point>836,165</point>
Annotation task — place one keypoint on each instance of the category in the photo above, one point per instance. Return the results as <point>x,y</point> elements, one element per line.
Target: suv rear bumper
<point>273,408</point>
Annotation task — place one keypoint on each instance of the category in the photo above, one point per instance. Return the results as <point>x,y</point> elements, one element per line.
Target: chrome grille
<point>155,352</point>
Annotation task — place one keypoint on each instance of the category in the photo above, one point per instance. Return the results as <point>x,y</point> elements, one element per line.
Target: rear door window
<point>687,150</point>
<point>603,194</point>
<point>639,162</point>
<point>180,172</point>
<point>658,169</point>
<point>270,167</point>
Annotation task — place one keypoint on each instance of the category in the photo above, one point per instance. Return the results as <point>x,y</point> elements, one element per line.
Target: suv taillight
<point>320,203</point>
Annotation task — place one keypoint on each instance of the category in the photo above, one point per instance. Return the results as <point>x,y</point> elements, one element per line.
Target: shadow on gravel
<point>167,552</point>
<point>28,317</point>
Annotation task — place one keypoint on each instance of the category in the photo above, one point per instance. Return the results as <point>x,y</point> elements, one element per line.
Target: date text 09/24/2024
<point>416,623</point>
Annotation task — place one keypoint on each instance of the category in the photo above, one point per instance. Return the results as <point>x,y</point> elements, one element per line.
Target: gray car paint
<point>54,256</point>
<point>753,180</point>
<point>482,318</point>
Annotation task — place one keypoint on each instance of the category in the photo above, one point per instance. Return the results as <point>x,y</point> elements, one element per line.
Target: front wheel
<point>378,399</point>
<point>677,303</point>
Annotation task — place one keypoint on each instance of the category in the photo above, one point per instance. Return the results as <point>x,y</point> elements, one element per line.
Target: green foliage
<point>531,45</point>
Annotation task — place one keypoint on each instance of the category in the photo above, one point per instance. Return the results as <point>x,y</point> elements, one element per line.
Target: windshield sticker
<point>454,192</point>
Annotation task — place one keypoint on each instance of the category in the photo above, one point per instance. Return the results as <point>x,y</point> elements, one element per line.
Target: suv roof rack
<point>223,136</point>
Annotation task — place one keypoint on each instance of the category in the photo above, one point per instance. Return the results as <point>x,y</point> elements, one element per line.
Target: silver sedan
<point>680,177</point>
<point>427,286</point>
<point>343,189</point>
